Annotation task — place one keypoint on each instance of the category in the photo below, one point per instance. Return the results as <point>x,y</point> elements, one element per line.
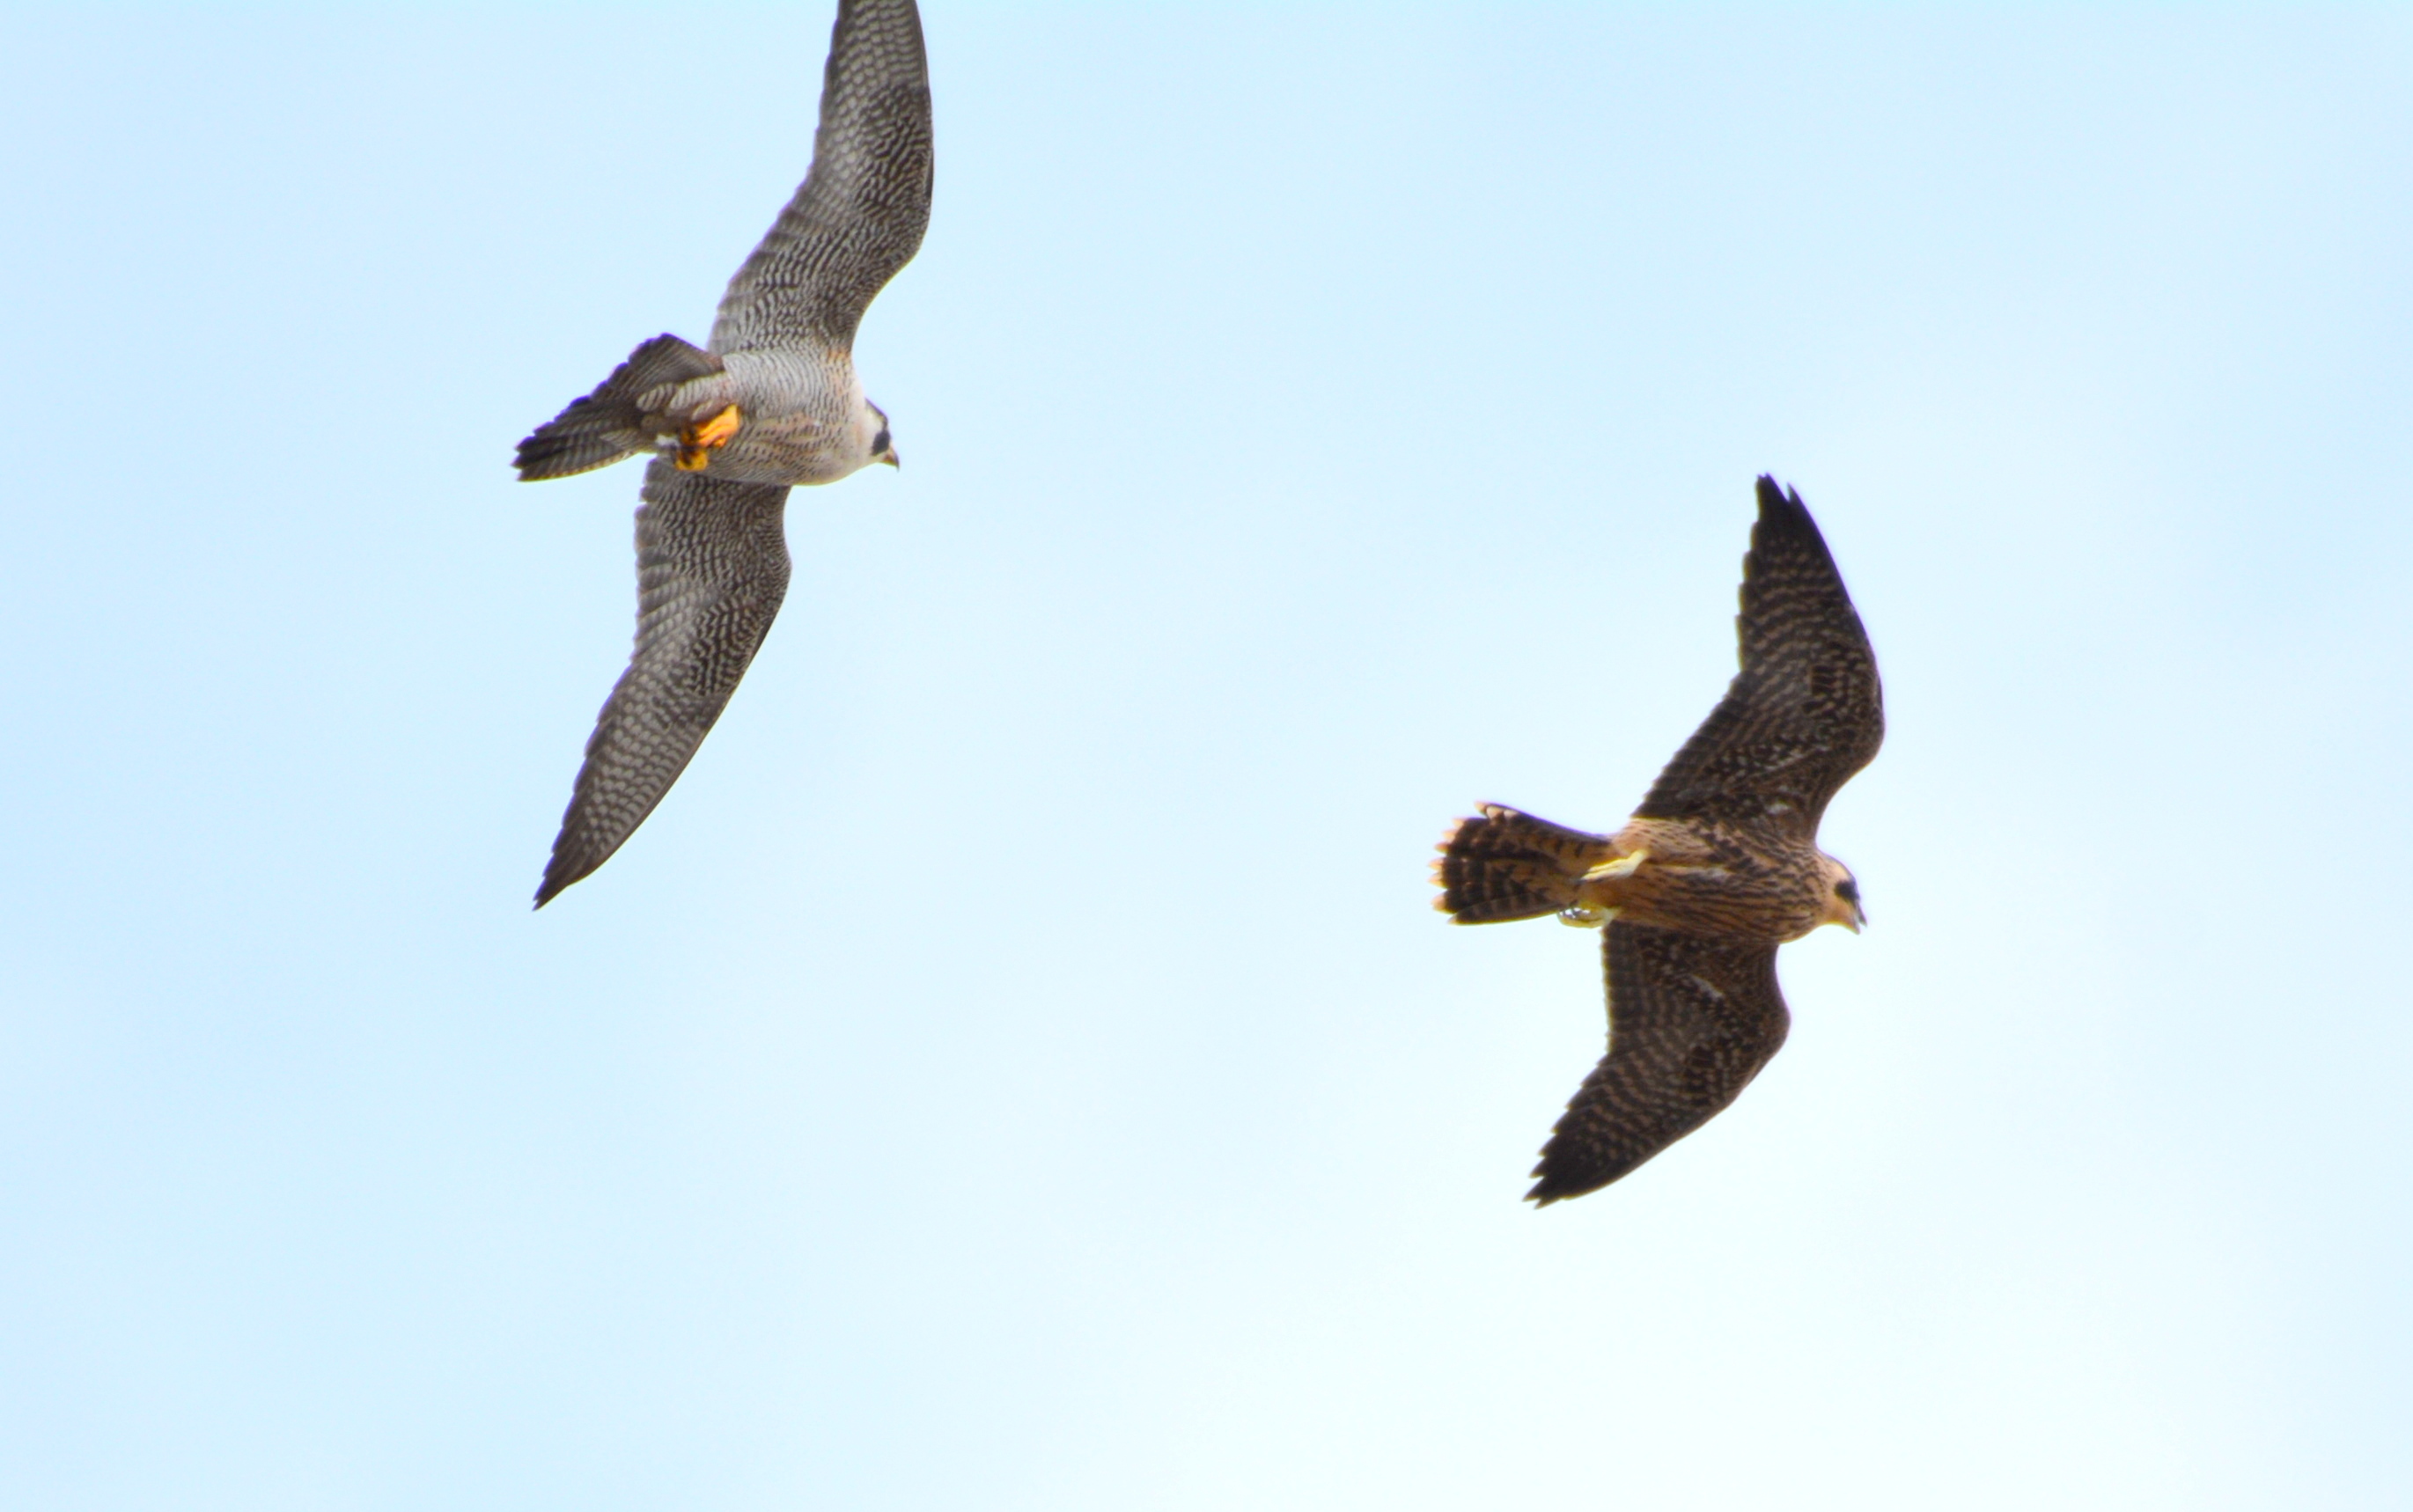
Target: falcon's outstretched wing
<point>1805,712</point>
<point>712,565</point>
<point>1691,1020</point>
<point>860,214</point>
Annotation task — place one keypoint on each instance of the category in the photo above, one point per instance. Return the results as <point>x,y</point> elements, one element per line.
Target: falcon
<point>1717,868</point>
<point>771,402</point>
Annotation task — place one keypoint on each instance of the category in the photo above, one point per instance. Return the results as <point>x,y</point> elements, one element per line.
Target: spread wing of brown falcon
<point>1717,868</point>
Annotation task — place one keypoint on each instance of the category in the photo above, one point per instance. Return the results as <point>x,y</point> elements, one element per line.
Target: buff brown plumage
<point>1718,867</point>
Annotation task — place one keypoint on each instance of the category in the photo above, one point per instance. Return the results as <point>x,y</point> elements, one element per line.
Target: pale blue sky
<point>1017,1067</point>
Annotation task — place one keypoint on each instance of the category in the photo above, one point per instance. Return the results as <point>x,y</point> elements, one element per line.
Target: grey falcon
<point>1717,868</point>
<point>772,402</point>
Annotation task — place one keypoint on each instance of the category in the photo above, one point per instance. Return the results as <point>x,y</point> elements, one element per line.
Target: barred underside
<point>712,568</point>
<point>1691,1021</point>
<point>1806,710</point>
<point>859,216</point>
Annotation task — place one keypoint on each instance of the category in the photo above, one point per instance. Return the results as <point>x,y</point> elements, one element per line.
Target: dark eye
<point>880,442</point>
<point>1849,890</point>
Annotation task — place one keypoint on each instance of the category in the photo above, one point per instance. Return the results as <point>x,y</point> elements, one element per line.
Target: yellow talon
<point>698,442</point>
<point>1622,866</point>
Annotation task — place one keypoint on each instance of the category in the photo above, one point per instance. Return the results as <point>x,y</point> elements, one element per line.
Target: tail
<point>609,423</point>
<point>1504,864</point>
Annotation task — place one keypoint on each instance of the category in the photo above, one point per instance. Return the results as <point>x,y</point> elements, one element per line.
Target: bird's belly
<point>792,419</point>
<point>792,449</point>
<point>1740,901</point>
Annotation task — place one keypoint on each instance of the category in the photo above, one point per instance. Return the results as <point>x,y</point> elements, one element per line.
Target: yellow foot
<point>1622,866</point>
<point>698,442</point>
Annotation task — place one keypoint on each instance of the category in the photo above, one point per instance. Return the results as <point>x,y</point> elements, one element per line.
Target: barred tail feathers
<point>609,424</point>
<point>1505,864</point>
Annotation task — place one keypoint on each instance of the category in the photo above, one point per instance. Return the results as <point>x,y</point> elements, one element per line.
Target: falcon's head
<point>1843,895</point>
<point>871,433</point>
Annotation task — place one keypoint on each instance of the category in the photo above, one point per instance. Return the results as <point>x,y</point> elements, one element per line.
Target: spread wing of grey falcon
<point>772,402</point>
<point>1717,868</point>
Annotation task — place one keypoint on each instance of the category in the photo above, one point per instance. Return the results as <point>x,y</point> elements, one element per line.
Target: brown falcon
<point>1717,868</point>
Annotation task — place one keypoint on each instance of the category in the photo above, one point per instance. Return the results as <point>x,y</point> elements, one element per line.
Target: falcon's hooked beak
<point>1844,909</point>
<point>889,457</point>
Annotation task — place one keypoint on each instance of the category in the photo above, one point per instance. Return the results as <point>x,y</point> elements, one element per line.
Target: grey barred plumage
<point>712,566</point>
<point>770,403</point>
<point>1717,868</point>
<point>859,216</point>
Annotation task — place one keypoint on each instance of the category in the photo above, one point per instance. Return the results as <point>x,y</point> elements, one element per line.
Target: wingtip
<point>1544,1191</point>
<point>1777,497</point>
<point>1561,1181</point>
<point>1783,515</point>
<point>1539,1193</point>
<point>553,884</point>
